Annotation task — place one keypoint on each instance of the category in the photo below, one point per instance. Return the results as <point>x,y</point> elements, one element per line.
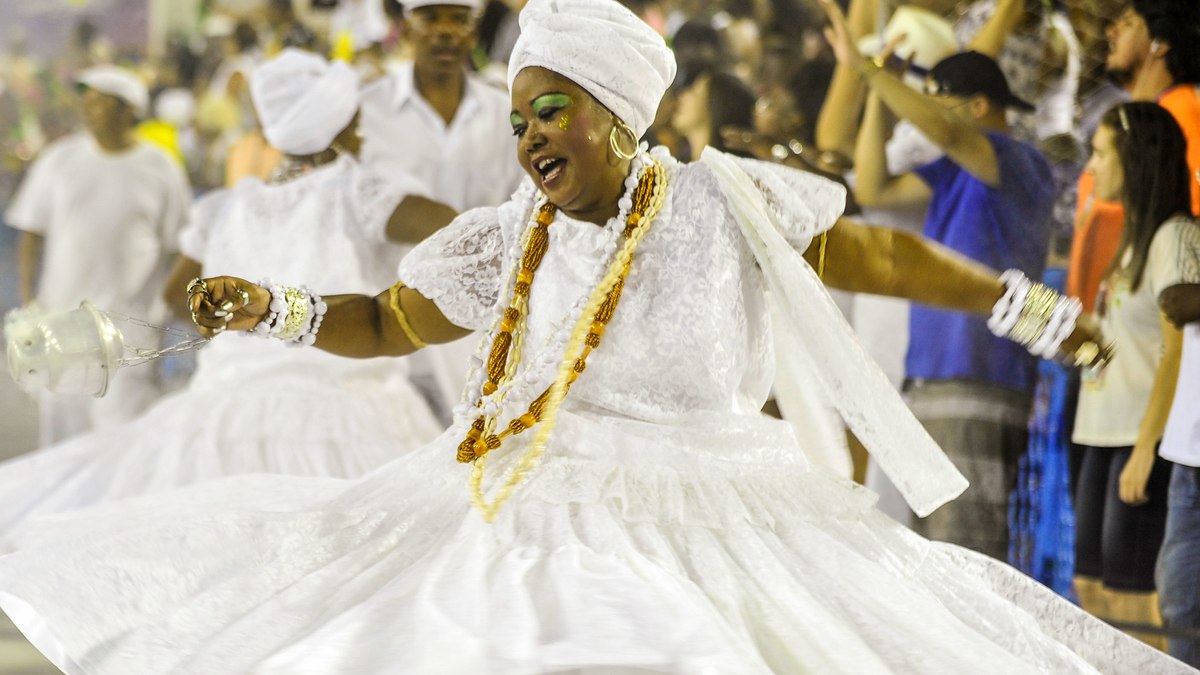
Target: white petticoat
<point>308,423</point>
<point>703,546</point>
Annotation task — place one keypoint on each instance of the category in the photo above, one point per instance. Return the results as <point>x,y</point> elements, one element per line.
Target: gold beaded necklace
<point>478,443</point>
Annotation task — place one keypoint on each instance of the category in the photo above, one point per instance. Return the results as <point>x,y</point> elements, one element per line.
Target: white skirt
<point>318,424</point>
<point>705,546</point>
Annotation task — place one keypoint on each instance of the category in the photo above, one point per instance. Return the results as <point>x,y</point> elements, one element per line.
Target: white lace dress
<point>669,528</point>
<point>253,405</point>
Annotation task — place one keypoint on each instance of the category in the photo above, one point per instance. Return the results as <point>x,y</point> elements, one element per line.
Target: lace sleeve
<point>803,204</point>
<point>459,268</point>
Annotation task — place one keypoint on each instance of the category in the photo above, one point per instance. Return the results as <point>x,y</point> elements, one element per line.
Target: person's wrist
<point>868,68</point>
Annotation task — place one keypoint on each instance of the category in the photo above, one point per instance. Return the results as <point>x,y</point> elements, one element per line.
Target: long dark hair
<point>1153,154</point>
<point>730,104</point>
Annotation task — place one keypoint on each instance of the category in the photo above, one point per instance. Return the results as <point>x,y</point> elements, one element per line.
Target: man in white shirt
<point>99,213</point>
<point>447,133</point>
<point>435,121</point>
<point>1178,573</point>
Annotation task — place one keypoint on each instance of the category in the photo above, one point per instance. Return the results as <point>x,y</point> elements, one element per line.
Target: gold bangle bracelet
<point>401,318</point>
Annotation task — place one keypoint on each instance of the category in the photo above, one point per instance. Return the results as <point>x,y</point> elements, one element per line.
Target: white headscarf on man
<point>602,47</point>
<point>303,101</point>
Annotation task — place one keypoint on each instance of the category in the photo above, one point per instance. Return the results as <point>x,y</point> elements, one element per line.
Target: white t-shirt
<point>1113,402</point>
<point>1181,440</point>
<point>109,221</point>
<point>468,163</point>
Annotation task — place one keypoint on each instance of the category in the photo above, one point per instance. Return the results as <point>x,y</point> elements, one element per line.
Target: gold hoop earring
<point>621,128</point>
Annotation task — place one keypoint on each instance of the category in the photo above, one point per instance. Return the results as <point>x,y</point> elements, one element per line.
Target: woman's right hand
<point>226,303</point>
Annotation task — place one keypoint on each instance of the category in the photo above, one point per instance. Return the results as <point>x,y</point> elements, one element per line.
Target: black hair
<point>1156,184</point>
<point>730,104</point>
<point>1176,23</point>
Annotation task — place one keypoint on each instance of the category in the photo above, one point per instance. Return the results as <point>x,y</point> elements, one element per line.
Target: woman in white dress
<point>649,519</point>
<point>257,406</point>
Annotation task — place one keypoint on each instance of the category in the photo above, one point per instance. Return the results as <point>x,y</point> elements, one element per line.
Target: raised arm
<point>881,261</point>
<point>398,321</point>
<point>962,142</point>
<point>874,185</point>
<point>992,35</point>
<point>838,120</point>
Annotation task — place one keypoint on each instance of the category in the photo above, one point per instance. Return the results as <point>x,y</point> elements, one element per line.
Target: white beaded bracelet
<point>294,315</point>
<point>1042,329</point>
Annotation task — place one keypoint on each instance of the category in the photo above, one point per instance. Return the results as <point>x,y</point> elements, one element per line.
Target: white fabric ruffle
<point>670,527</point>
<point>634,545</point>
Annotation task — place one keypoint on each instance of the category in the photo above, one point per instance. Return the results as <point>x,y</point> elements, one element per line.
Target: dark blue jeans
<point>1178,571</point>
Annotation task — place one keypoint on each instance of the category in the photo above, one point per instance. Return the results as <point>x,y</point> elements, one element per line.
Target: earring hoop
<point>620,127</point>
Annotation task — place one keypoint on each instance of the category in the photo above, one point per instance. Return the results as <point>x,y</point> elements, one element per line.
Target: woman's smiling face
<point>562,143</point>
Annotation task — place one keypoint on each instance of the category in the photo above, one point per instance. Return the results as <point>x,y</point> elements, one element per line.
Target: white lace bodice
<point>691,332</point>
<point>324,229</point>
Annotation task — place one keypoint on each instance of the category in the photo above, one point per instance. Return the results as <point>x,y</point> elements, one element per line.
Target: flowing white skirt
<point>705,546</point>
<point>314,424</point>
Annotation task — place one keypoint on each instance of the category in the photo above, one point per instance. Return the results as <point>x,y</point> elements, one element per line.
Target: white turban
<point>600,46</point>
<point>303,101</point>
<point>117,82</point>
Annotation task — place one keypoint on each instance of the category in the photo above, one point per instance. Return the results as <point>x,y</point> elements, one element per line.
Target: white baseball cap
<point>118,82</point>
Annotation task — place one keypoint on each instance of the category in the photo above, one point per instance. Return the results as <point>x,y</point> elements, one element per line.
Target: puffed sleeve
<point>460,267</point>
<point>804,205</point>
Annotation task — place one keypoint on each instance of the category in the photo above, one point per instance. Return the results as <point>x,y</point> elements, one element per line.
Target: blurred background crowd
<point>757,78</point>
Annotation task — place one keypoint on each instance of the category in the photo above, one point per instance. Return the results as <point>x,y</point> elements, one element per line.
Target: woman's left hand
<point>1135,475</point>
<point>839,37</point>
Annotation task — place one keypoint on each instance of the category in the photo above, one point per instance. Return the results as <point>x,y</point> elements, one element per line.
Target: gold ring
<point>1086,353</point>
<point>195,284</point>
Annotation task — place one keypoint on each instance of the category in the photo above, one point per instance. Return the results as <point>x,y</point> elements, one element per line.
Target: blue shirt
<point>1002,227</point>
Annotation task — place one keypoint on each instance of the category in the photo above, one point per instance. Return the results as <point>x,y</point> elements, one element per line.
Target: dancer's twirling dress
<point>669,528</point>
<point>254,405</point>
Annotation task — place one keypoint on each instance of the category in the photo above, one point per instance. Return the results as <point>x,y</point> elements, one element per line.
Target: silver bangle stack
<point>294,315</point>
<point>1033,315</point>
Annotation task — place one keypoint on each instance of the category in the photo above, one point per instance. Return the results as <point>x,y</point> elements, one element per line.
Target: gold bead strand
<point>567,368</point>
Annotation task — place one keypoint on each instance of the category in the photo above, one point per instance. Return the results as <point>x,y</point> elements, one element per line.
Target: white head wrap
<point>303,101</point>
<point>410,5</point>
<point>118,82</point>
<point>600,46</point>
<point>176,106</point>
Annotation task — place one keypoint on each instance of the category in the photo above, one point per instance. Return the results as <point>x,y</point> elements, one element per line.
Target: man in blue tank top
<point>988,197</point>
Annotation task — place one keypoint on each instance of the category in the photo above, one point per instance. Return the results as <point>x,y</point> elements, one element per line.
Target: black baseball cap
<point>971,73</point>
